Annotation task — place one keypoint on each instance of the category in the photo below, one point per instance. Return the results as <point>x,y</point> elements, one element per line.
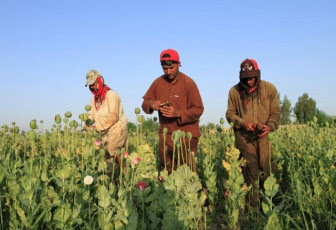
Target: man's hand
<point>249,126</point>
<point>265,130</point>
<point>156,105</point>
<point>169,111</point>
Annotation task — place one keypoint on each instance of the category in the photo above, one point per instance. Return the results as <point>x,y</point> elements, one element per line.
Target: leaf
<point>133,220</point>
<point>104,199</point>
<point>22,216</point>
<point>273,222</point>
<point>62,213</point>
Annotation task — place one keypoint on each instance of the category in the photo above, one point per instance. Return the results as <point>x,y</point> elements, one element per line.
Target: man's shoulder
<point>112,94</point>
<point>186,78</point>
<point>267,84</point>
<point>235,88</point>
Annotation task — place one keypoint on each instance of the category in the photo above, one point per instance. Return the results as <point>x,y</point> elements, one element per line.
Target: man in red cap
<point>254,110</point>
<point>177,99</point>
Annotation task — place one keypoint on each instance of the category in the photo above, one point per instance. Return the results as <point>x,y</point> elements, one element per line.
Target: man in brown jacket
<point>177,99</point>
<point>254,110</point>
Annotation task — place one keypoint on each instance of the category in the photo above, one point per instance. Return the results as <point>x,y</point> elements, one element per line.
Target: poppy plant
<point>136,160</point>
<point>141,185</point>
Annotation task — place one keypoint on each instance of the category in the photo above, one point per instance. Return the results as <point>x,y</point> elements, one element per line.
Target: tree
<point>322,117</point>
<point>286,110</point>
<point>305,109</point>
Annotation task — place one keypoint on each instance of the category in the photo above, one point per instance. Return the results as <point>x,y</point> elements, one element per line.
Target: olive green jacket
<point>264,109</point>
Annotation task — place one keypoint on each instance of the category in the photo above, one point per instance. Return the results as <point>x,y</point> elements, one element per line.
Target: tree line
<point>303,112</point>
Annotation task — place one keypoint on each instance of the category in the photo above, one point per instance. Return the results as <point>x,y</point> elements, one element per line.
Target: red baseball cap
<point>169,55</point>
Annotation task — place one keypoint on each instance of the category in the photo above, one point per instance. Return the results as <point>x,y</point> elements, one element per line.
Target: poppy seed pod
<point>58,119</point>
<point>32,124</point>
<point>88,108</point>
<point>141,118</point>
<point>189,135</point>
<point>68,114</point>
<point>136,110</point>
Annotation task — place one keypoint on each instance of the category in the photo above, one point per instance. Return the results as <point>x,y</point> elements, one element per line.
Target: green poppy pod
<point>137,110</point>
<point>85,116</point>
<point>68,114</point>
<point>222,121</point>
<point>141,118</point>
<point>58,119</point>
<point>81,116</point>
<point>73,124</point>
<point>189,135</point>
<point>165,130</point>
<point>13,123</point>
<point>233,138</point>
<point>65,120</point>
<point>88,108</point>
<point>32,124</point>
<point>175,136</point>
<point>31,135</point>
<point>88,122</point>
<point>270,136</point>
<point>16,130</point>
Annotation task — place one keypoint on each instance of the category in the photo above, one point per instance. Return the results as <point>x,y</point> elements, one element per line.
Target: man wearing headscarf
<point>107,114</point>
<point>254,110</point>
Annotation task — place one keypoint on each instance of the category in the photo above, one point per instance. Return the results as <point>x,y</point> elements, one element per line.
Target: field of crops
<point>59,179</point>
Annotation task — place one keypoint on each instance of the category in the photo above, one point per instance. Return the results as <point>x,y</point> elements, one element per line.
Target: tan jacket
<point>265,111</point>
<point>110,113</point>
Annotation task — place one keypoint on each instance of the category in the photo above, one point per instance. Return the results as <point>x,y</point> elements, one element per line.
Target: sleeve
<point>194,106</point>
<point>231,112</point>
<point>149,99</point>
<point>274,114</point>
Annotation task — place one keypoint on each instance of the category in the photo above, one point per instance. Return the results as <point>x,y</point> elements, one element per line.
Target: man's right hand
<point>156,105</point>
<point>249,126</point>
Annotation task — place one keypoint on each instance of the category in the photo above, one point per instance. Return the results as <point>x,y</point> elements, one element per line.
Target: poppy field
<point>59,179</point>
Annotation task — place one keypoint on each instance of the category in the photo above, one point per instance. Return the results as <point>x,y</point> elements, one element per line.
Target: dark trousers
<point>259,165</point>
<point>167,151</point>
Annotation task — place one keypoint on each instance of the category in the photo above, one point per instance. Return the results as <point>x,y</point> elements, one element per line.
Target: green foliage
<point>286,111</point>
<point>304,109</point>
<point>42,182</point>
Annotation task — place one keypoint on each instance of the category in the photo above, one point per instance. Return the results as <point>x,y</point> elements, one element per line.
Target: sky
<point>47,47</point>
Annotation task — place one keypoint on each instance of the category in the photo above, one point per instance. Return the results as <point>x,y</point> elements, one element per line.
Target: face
<point>171,71</point>
<point>94,87</point>
<point>251,81</point>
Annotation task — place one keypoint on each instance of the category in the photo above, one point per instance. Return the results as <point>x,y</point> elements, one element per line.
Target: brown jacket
<point>184,96</point>
<point>265,110</point>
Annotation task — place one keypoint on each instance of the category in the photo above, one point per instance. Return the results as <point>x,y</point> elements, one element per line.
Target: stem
<point>173,157</point>
<point>164,151</point>
<point>143,206</point>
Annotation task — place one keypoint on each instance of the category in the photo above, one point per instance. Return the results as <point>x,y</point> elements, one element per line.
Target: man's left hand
<point>169,111</point>
<point>265,130</point>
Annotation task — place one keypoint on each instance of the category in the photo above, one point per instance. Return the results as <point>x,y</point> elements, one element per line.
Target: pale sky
<point>46,48</point>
